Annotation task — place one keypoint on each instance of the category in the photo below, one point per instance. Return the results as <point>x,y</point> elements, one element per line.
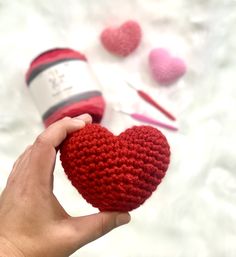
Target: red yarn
<point>94,106</point>
<point>53,55</point>
<point>115,173</point>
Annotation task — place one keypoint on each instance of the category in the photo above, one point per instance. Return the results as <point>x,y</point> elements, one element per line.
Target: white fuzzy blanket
<point>193,212</point>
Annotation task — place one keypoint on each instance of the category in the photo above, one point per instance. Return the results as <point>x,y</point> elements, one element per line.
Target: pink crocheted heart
<point>123,40</point>
<point>165,69</point>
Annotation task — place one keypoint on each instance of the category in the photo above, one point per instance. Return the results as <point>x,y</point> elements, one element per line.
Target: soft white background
<point>193,212</point>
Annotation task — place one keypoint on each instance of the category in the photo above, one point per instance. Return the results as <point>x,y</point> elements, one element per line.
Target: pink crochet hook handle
<point>146,97</point>
<point>143,118</point>
<point>151,101</point>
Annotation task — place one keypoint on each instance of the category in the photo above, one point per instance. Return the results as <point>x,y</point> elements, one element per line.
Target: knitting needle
<point>143,118</point>
<point>151,101</point>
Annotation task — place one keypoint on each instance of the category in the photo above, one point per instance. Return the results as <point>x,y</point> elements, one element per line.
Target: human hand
<point>32,221</point>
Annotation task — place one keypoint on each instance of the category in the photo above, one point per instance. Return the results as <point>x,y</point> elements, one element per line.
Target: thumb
<point>91,227</point>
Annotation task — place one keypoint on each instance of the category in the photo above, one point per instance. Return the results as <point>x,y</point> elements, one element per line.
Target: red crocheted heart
<point>115,173</point>
<point>123,40</point>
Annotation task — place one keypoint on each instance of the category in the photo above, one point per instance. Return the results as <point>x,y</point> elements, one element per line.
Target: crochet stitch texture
<point>115,173</point>
<point>165,68</point>
<point>123,40</point>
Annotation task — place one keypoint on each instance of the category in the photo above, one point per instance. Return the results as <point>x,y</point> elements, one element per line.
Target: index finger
<point>58,131</point>
<point>43,154</point>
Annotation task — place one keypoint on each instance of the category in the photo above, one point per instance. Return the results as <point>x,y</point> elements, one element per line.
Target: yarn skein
<point>62,84</point>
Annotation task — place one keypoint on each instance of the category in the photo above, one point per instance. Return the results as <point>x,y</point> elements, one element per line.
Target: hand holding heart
<point>115,173</point>
<point>32,221</point>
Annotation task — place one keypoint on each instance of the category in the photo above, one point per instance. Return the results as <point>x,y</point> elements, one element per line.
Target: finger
<point>91,227</point>
<point>20,159</point>
<point>43,154</point>
<point>27,149</point>
<point>17,174</point>
<point>58,131</point>
<point>85,117</point>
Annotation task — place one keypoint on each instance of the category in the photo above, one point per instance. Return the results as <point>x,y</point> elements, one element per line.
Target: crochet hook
<point>144,118</point>
<point>151,101</point>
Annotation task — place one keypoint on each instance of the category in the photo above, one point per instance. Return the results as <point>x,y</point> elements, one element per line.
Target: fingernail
<point>85,117</point>
<point>122,219</point>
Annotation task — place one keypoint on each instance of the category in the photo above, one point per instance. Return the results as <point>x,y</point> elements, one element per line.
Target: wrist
<point>8,249</point>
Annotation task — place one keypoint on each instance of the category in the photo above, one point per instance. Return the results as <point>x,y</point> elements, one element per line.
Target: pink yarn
<point>123,40</point>
<point>165,69</point>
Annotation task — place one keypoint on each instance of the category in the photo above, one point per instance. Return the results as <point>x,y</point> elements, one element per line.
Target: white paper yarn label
<point>60,82</point>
